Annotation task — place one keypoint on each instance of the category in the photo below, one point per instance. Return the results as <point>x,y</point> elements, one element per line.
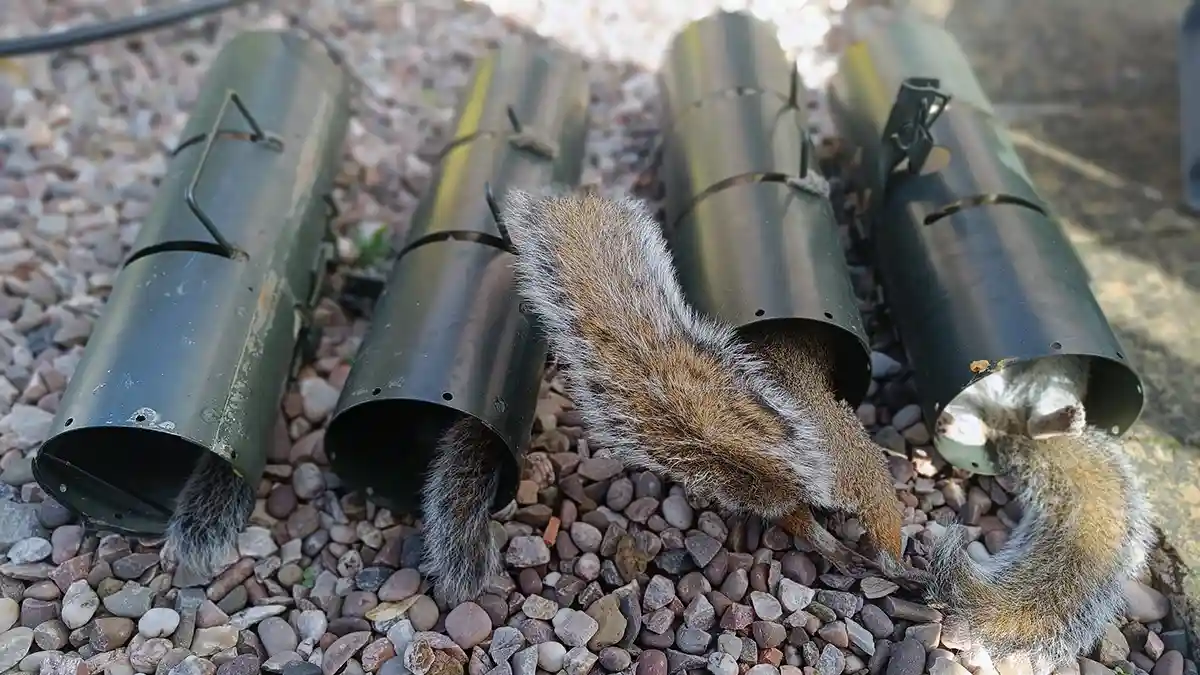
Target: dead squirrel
<point>1086,525</point>
<point>754,427</point>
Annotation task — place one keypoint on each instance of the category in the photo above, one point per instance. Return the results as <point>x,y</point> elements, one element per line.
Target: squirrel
<point>210,512</point>
<point>460,552</point>
<point>1086,525</point>
<point>754,426</point>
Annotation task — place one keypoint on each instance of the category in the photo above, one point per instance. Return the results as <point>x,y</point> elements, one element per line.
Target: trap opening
<point>125,479</point>
<point>851,360</point>
<point>1113,403</point>
<point>402,435</point>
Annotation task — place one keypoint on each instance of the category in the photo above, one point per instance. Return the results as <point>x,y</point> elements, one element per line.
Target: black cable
<point>110,30</point>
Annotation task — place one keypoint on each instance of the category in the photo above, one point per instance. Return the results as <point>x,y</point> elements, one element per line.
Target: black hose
<point>110,30</point>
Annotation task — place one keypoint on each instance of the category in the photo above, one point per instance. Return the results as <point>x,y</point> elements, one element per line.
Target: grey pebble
<point>525,662</point>
<point>678,661</point>
<point>506,641</point>
<point>575,628</point>
<point>831,662</point>
<point>527,551</point>
<point>659,593</point>
<point>907,658</point>
<point>876,621</point>
<point>766,606</point>
<point>677,512</point>
<point>843,604</point>
<point>691,640</point>
<point>586,537</point>
<point>277,636</point>
<point>861,638</point>
<point>579,661</point>
<point>928,634</point>
<point>702,546</point>
<point>614,659</point>
<point>700,614</point>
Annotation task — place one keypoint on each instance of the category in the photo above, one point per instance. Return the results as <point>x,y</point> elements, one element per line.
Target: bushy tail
<point>1051,592</point>
<point>456,502</point>
<point>211,510</point>
<point>659,385</point>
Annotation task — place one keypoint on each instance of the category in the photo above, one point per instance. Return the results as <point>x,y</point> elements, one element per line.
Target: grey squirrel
<point>1086,527</point>
<point>211,510</point>
<point>750,425</point>
<point>460,552</point>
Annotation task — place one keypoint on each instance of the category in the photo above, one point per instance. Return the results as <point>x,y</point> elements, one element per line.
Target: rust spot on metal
<point>980,365</point>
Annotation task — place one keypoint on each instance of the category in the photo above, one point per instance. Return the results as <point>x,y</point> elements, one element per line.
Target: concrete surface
<point>1091,89</point>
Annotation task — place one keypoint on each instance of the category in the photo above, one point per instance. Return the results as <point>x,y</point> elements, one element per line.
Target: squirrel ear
<point>1066,420</point>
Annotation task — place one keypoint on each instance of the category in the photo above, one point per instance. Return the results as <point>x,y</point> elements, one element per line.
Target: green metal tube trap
<point>754,237</point>
<point>449,339</point>
<point>201,332</point>
<point>977,272</point>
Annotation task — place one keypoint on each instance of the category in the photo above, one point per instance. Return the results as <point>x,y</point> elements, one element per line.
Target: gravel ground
<point>610,571</point>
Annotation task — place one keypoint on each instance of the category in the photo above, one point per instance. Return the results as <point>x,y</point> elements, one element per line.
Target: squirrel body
<point>1086,525</point>
<point>752,426</point>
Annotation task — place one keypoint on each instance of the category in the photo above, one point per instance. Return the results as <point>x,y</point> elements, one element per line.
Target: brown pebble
<point>230,579</point>
<point>282,501</point>
<point>652,662</point>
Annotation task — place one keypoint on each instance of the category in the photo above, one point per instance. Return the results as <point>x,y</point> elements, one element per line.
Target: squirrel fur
<point>754,427</point>
<point>1086,525</point>
<point>211,510</point>
<point>461,482</point>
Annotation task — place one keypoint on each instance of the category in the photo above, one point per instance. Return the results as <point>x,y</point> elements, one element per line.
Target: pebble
<point>677,512</point>
<point>766,607</point>
<point>1146,604</point>
<point>29,550</point>
<point>550,656</point>
<point>80,603</point>
<point>209,641</point>
<point>720,663</point>
<point>131,602</point>
<point>527,551</point>
<point>907,658</point>
<point>578,661</point>
<point>111,632</point>
<point>575,628</point>
<point>277,636</point>
<point>158,622</point>
<point>1170,663</point>
<point>10,612</point>
<point>468,625</point>
<point>652,662</point>
<point>14,645</point>
<point>831,662</point>
<point>659,593</point>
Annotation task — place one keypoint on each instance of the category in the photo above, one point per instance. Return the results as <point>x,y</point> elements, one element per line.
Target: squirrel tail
<point>212,508</point>
<point>659,385</point>
<point>460,553</point>
<point>1086,529</point>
